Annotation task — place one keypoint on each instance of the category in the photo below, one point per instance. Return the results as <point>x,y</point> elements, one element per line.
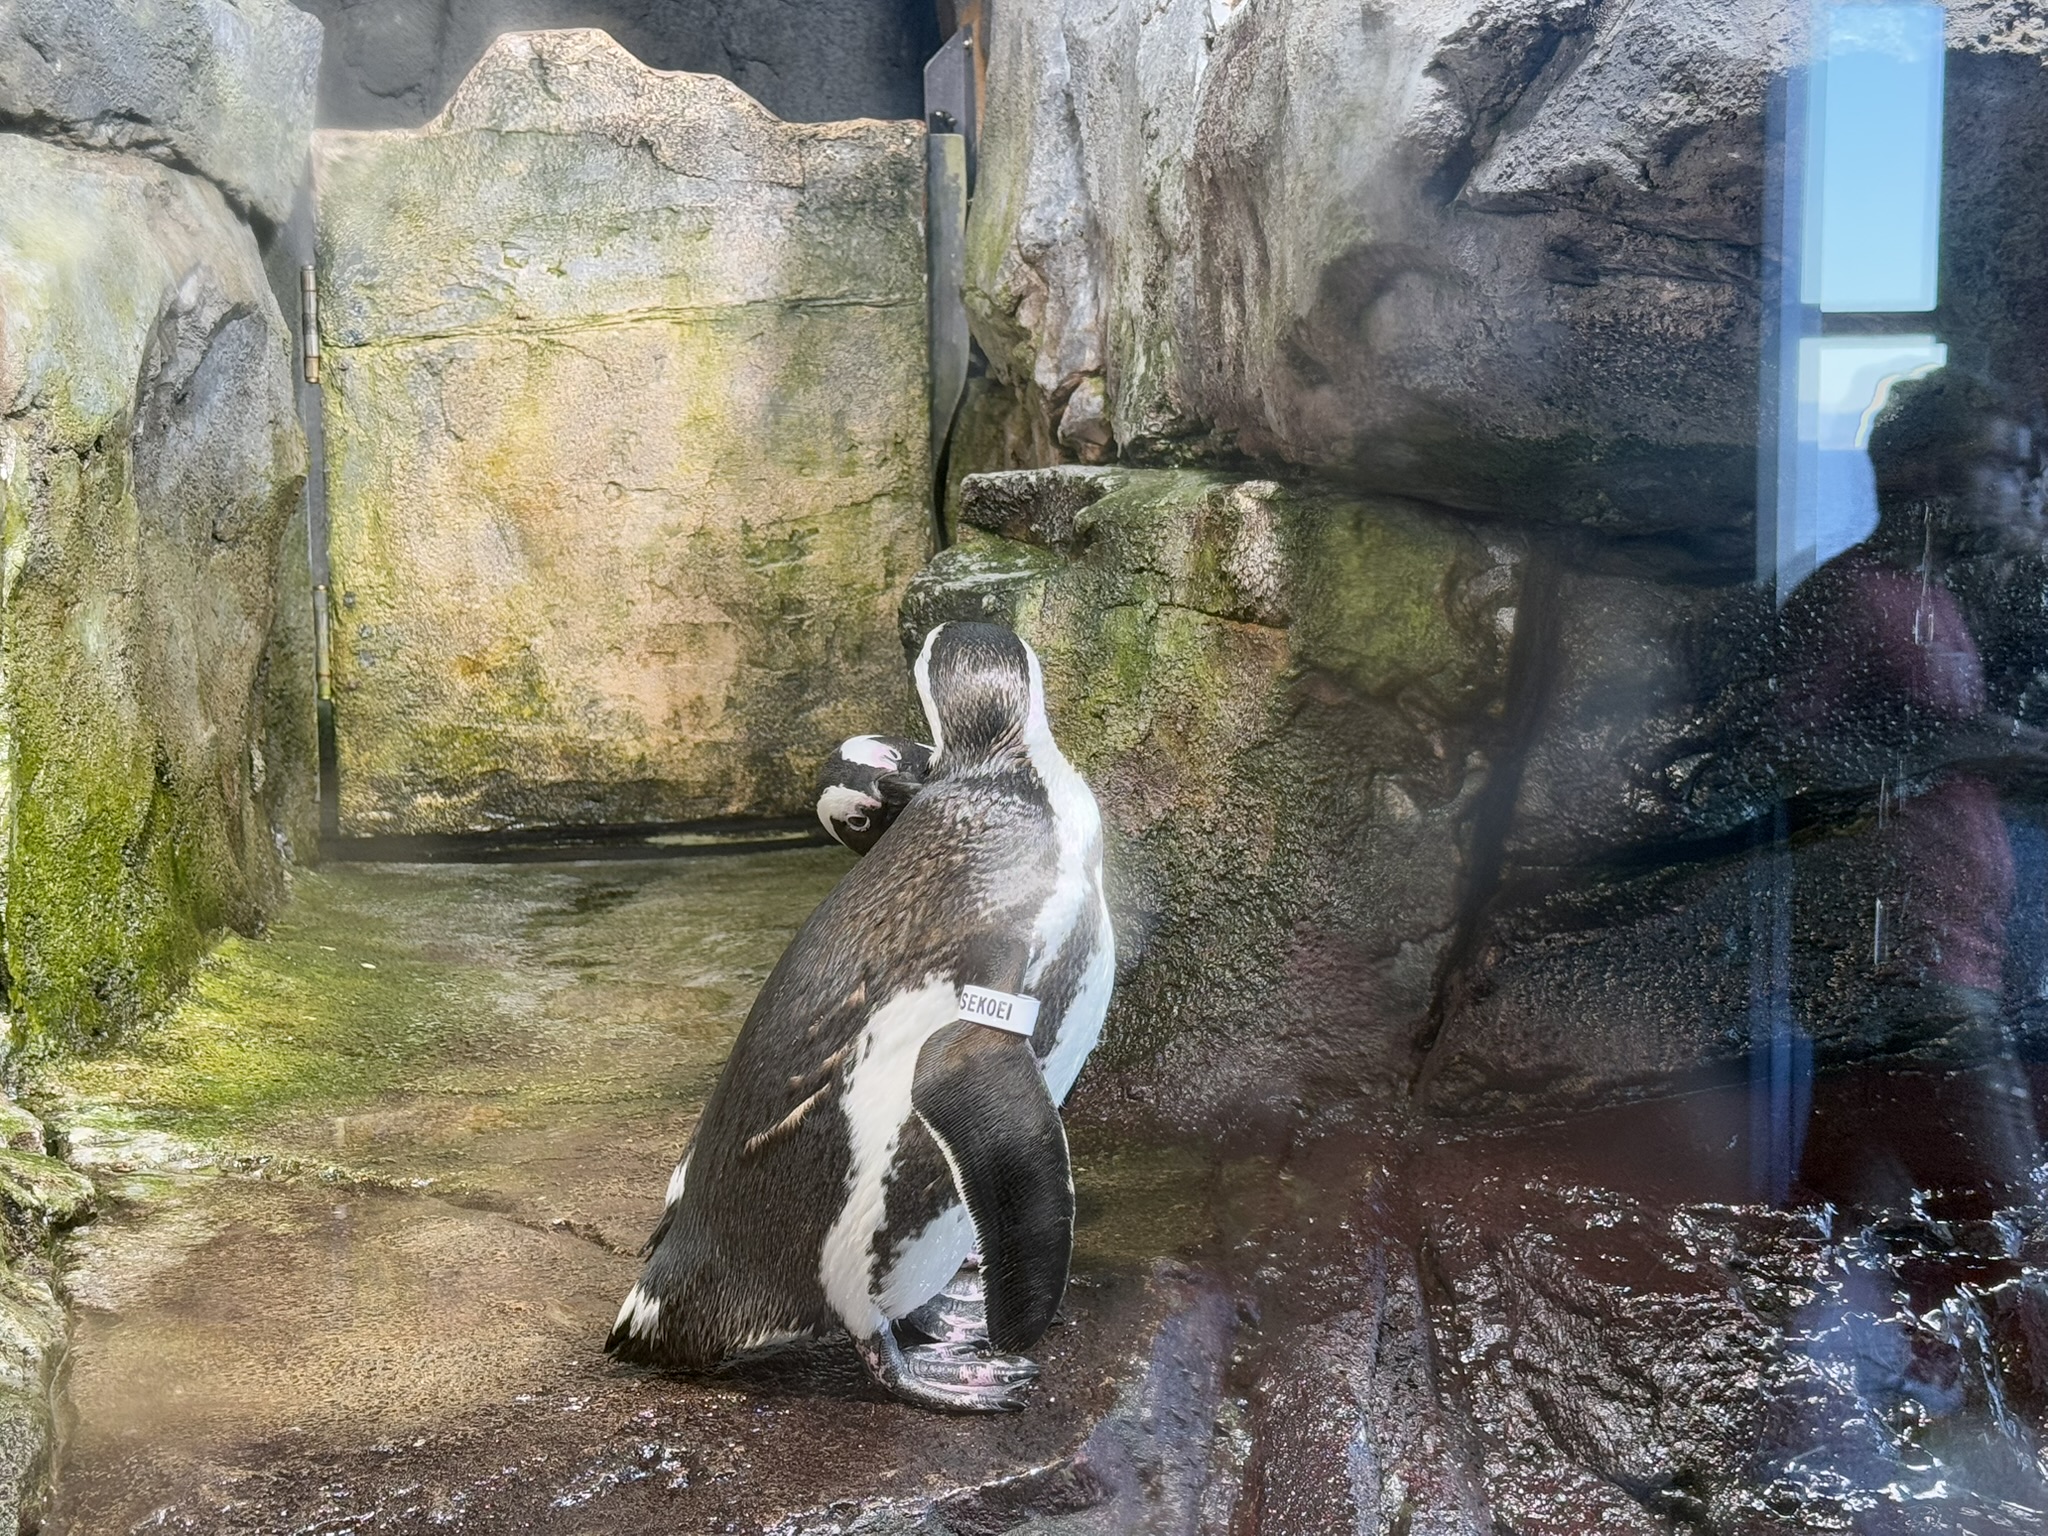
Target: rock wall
<point>1286,700</point>
<point>1405,812</point>
<point>156,699</point>
<point>1506,260</point>
<point>626,463</point>
<point>1504,257</point>
<point>395,63</point>
<point>39,1198</point>
<point>155,712</point>
<point>221,88</point>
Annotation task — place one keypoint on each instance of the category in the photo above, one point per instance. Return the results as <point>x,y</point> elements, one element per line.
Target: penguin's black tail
<point>633,1335</point>
<point>662,1320</point>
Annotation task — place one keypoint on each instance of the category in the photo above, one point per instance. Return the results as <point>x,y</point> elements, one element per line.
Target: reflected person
<point>1884,684</point>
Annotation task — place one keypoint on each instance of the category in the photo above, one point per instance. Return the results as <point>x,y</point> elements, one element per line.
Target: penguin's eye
<point>858,821</point>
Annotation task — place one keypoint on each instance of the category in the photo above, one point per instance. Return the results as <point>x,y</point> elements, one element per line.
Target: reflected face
<point>2008,493</point>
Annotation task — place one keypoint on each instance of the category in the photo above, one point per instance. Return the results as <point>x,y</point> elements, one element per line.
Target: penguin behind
<point>891,1103</point>
<point>865,784</point>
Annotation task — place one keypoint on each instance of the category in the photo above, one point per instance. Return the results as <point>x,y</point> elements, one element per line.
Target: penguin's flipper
<point>981,1094</point>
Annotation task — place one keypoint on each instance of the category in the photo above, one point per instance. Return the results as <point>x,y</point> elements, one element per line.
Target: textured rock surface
<point>221,87</point>
<point>1993,280</point>
<point>1271,690</point>
<point>150,469</point>
<point>1501,256</point>
<point>39,1198</point>
<point>1595,1325</point>
<point>626,455</point>
<point>1639,1348</point>
<point>393,63</point>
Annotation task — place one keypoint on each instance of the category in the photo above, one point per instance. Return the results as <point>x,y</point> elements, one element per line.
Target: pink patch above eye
<point>869,752</point>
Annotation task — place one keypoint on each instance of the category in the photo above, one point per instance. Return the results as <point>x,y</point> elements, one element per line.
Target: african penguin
<point>891,1103</point>
<point>865,785</point>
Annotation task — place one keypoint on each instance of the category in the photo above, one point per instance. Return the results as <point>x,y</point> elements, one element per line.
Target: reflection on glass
<point>1858,233</point>
<point>1873,160</point>
<point>1917,1142</point>
<point>1830,504</point>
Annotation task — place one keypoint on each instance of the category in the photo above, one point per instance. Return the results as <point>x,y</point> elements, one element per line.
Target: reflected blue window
<point>1844,382</point>
<point>1873,160</point>
<point>1856,230</point>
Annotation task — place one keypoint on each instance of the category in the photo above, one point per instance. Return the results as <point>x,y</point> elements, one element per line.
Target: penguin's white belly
<point>878,1106</point>
<point>927,1262</point>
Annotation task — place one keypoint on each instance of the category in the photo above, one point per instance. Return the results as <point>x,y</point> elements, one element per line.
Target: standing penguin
<point>891,1103</point>
<point>865,784</point>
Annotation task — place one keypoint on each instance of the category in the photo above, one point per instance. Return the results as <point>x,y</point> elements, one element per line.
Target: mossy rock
<point>626,422</point>
<point>20,1129</point>
<point>1272,689</point>
<point>151,466</point>
<point>43,1192</point>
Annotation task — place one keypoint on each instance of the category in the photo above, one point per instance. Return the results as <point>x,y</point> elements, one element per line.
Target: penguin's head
<point>865,783</point>
<point>982,691</point>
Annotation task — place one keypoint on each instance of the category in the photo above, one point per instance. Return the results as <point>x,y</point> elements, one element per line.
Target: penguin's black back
<point>734,1260</point>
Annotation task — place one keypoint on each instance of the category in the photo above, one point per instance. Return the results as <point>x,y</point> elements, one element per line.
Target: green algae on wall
<point>1272,689</point>
<point>455,1002</point>
<point>150,470</point>
<point>627,473</point>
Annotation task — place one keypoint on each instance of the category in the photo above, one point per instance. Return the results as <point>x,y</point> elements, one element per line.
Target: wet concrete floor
<point>374,1192</point>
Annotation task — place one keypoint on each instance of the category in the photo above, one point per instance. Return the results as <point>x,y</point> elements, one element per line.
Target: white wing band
<point>999,1010</point>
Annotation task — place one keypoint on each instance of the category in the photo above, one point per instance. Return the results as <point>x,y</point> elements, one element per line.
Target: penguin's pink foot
<point>958,1314</point>
<point>952,1378</point>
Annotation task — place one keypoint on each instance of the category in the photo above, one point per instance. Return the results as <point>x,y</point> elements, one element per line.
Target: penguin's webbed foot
<point>958,1314</point>
<point>952,1378</point>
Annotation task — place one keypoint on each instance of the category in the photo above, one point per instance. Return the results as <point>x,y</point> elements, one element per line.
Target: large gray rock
<point>394,63</point>
<point>1499,255</point>
<point>1285,700</point>
<point>221,87</point>
<point>150,471</point>
<point>1502,256</point>
<point>626,444</point>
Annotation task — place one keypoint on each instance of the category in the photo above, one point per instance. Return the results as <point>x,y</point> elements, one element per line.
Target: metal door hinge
<point>323,669</point>
<point>309,323</point>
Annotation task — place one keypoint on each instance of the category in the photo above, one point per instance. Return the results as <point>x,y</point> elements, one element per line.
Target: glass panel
<point>1830,504</point>
<point>1873,162</point>
<point>1453,597</point>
